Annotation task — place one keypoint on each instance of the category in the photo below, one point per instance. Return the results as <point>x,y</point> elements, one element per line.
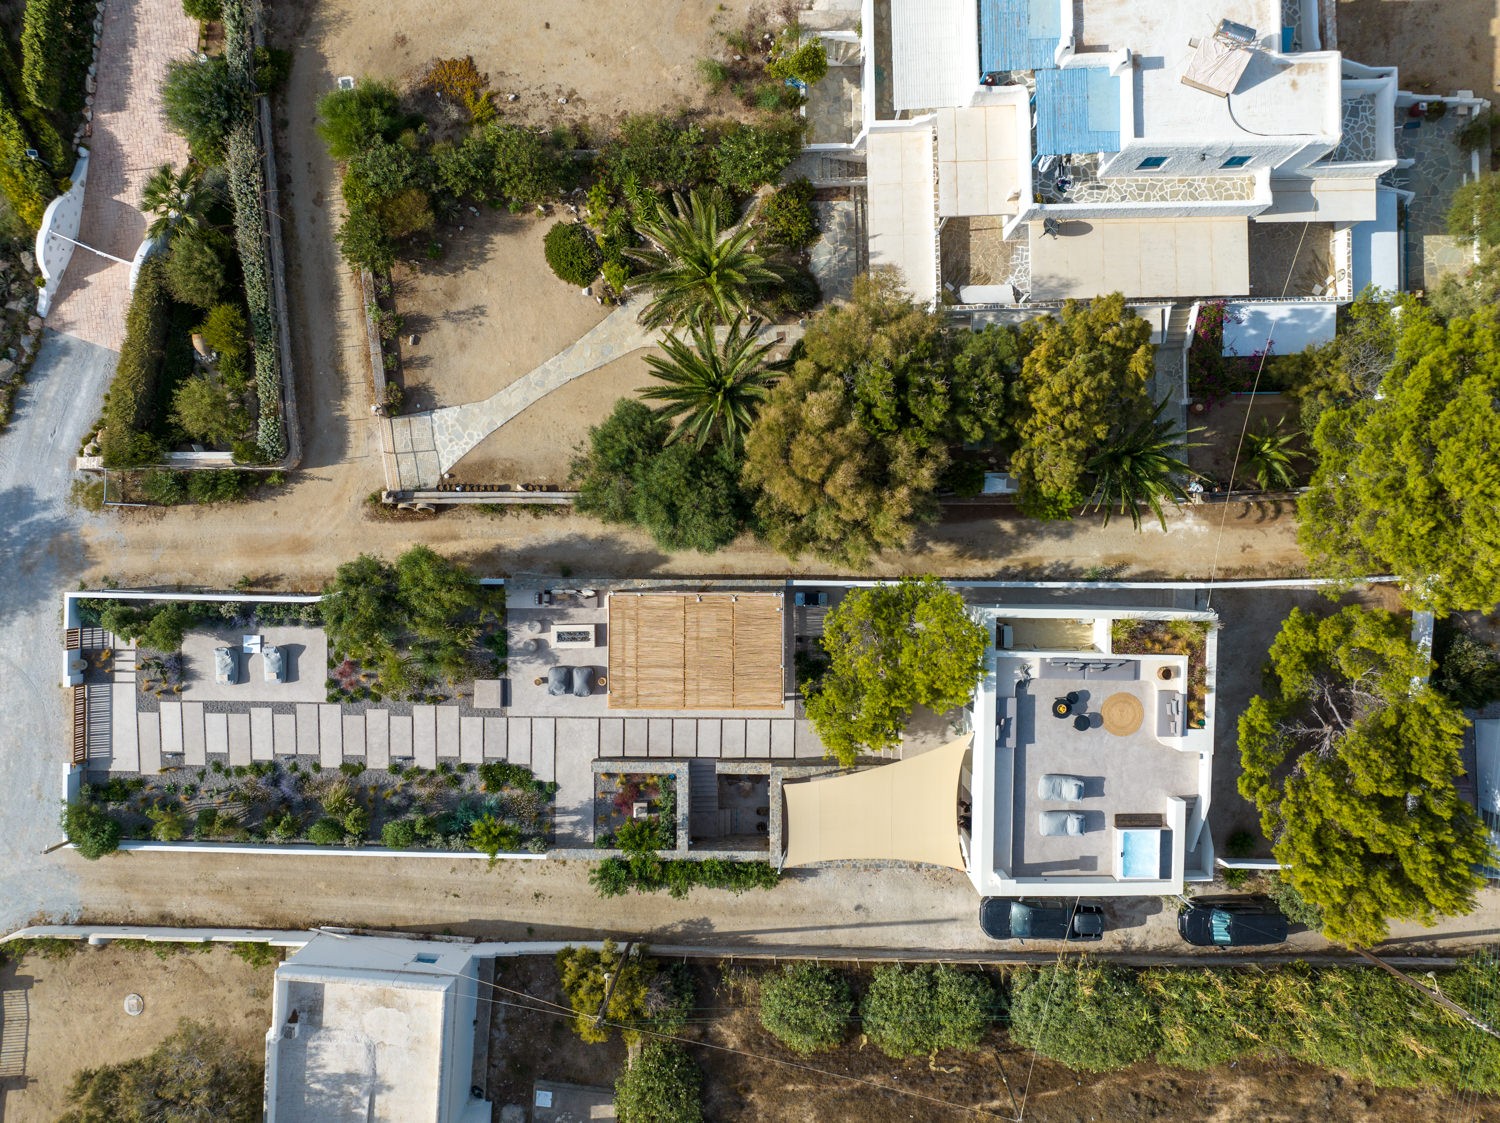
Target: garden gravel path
<point>43,553</point>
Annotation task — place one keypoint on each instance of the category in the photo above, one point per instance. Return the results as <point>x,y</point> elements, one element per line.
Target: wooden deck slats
<point>80,726</point>
<point>710,651</point>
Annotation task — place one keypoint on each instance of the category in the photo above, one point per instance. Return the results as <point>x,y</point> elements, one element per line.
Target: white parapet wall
<point>58,232</point>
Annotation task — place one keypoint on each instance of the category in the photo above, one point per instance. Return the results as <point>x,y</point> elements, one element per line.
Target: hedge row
<point>25,183</point>
<point>247,191</point>
<point>44,50</point>
<point>646,873</point>
<point>44,135</point>
<point>131,405</point>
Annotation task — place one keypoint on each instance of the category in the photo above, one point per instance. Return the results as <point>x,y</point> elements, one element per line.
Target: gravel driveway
<point>42,553</point>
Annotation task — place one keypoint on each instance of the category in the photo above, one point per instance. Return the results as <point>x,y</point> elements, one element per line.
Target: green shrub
<point>198,268</point>
<point>204,11</point>
<point>497,775</point>
<point>1293,906</point>
<point>799,292</point>
<point>657,152</point>
<point>26,185</point>
<point>1240,844</point>
<point>246,187</point>
<point>208,412</point>
<point>256,954</point>
<point>44,51</point>
<point>662,1086</point>
<point>750,156</point>
<point>644,872</point>
<point>1468,671</point>
<point>356,822</point>
<point>130,410</point>
<point>806,1006</point>
<point>207,824</point>
<point>349,121</point>
<point>714,73</point>
<point>911,1011</point>
<point>490,835</point>
<point>1475,210</point>
<point>807,63</point>
<point>399,834</point>
<point>572,253</point>
<point>93,831</point>
<point>1089,1017</point>
<point>164,487</point>
<point>273,65</point>
<point>326,832</point>
<point>167,823</point>
<point>202,102</point>
<point>524,168</point>
<point>225,331</point>
<point>1479,133</point>
<point>219,485</point>
<point>787,217</point>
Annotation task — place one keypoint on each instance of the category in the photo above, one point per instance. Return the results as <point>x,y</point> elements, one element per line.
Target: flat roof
<point>1376,246</point>
<point>1141,258</point>
<point>981,166</point>
<point>1290,327</point>
<point>934,52</point>
<point>696,651</point>
<point>901,207</point>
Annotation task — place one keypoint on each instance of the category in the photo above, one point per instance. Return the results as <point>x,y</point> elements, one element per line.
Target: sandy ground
<point>1222,426</point>
<point>1440,46</point>
<point>539,443</point>
<point>487,313</point>
<point>77,1016</point>
<point>607,60</point>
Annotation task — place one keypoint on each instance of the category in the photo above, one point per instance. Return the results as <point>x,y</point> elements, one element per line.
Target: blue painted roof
<point>1018,34</point>
<point>1077,111</point>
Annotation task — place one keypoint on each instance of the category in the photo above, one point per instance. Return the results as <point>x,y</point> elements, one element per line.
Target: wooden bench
<point>1139,821</point>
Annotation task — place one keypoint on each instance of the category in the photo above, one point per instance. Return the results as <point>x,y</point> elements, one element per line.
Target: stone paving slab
<point>148,734</point>
<point>262,733</point>
<point>684,737</point>
<point>330,735</point>
<point>171,729</point>
<point>710,737</point>
<point>193,753</point>
<point>307,729</point>
<point>637,734</point>
<point>471,739</point>
<point>447,732</point>
<point>611,737</point>
<point>578,735</point>
<point>733,739</point>
<point>544,748</point>
<point>216,734</point>
<point>659,736</point>
<point>401,737</point>
<point>125,734</point>
<point>238,731</point>
<point>424,736</point>
<point>494,738</point>
<point>757,738</point>
<point>284,734</point>
<point>518,740</point>
<point>807,746</point>
<point>354,735</point>
<point>378,738</point>
<point>783,739</point>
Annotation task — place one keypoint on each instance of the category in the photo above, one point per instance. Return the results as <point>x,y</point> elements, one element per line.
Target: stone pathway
<point>1439,168</point>
<point>428,444</point>
<point>129,140</point>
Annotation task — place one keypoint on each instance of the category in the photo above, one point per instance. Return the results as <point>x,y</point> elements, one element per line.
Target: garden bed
<point>616,795</point>
<point>1174,637</point>
<point>402,807</point>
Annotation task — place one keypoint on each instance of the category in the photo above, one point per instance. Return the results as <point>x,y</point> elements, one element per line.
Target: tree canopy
<point>194,1076</point>
<point>892,648</point>
<point>916,1010</point>
<point>660,1086</point>
<point>1408,481</point>
<point>1353,771</point>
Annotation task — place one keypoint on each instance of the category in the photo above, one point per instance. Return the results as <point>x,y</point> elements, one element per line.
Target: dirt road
<point>1440,46</point>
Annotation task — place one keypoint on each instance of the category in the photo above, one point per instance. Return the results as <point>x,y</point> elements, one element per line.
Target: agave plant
<point>1269,455</point>
<point>1141,466</point>
<point>711,387</point>
<point>175,199</point>
<point>695,269</point>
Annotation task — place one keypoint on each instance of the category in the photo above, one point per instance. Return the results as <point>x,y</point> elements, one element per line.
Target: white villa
<point>1031,151</point>
<point>1086,772</point>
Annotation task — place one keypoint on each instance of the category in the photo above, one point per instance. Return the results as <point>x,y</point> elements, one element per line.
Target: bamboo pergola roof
<point>696,651</point>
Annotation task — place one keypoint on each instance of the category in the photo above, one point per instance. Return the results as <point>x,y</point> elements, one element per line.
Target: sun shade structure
<point>1077,111</point>
<point>696,651</point>
<point>902,812</point>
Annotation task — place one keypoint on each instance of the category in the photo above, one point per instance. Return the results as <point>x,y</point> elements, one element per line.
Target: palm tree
<point>695,268</point>
<point>175,199</point>
<point>711,386</point>
<point>1269,454</point>
<point>1141,465</point>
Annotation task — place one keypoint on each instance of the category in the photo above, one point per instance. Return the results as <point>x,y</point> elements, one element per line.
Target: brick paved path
<point>130,138</point>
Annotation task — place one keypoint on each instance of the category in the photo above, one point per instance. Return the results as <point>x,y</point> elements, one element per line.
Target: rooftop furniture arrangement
<point>1066,788</point>
<point>1052,823</point>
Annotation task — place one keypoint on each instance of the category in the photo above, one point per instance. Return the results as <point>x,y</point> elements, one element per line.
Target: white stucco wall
<point>62,216</point>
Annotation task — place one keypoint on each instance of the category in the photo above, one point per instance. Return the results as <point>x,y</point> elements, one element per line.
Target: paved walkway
<point>427,444</point>
<point>129,140</point>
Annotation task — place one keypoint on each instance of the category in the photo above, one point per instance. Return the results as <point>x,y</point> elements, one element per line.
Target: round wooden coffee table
<point>1122,714</point>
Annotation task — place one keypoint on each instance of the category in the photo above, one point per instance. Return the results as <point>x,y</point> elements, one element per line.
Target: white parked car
<point>273,665</point>
<point>1066,788</point>
<point>226,669</point>
<point>1060,822</point>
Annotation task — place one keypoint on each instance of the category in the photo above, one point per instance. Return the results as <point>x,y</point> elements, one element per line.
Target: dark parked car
<point>1005,918</point>
<point>1244,923</point>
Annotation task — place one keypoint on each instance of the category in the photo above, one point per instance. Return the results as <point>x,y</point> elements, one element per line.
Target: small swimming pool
<point>1140,854</point>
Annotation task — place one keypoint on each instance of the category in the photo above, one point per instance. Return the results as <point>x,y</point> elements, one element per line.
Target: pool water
<point>1140,853</point>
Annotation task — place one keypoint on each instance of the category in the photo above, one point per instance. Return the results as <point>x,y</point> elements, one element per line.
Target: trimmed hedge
<point>647,873</point>
<point>131,406</point>
<point>44,50</point>
<point>25,183</point>
<point>572,253</point>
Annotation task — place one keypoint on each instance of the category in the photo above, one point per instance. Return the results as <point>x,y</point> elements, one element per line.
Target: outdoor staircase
<point>15,1024</point>
<point>98,707</point>
<point>1179,325</point>
<point>703,798</point>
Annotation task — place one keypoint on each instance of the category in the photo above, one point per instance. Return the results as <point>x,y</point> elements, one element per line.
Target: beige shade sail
<point>902,812</point>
